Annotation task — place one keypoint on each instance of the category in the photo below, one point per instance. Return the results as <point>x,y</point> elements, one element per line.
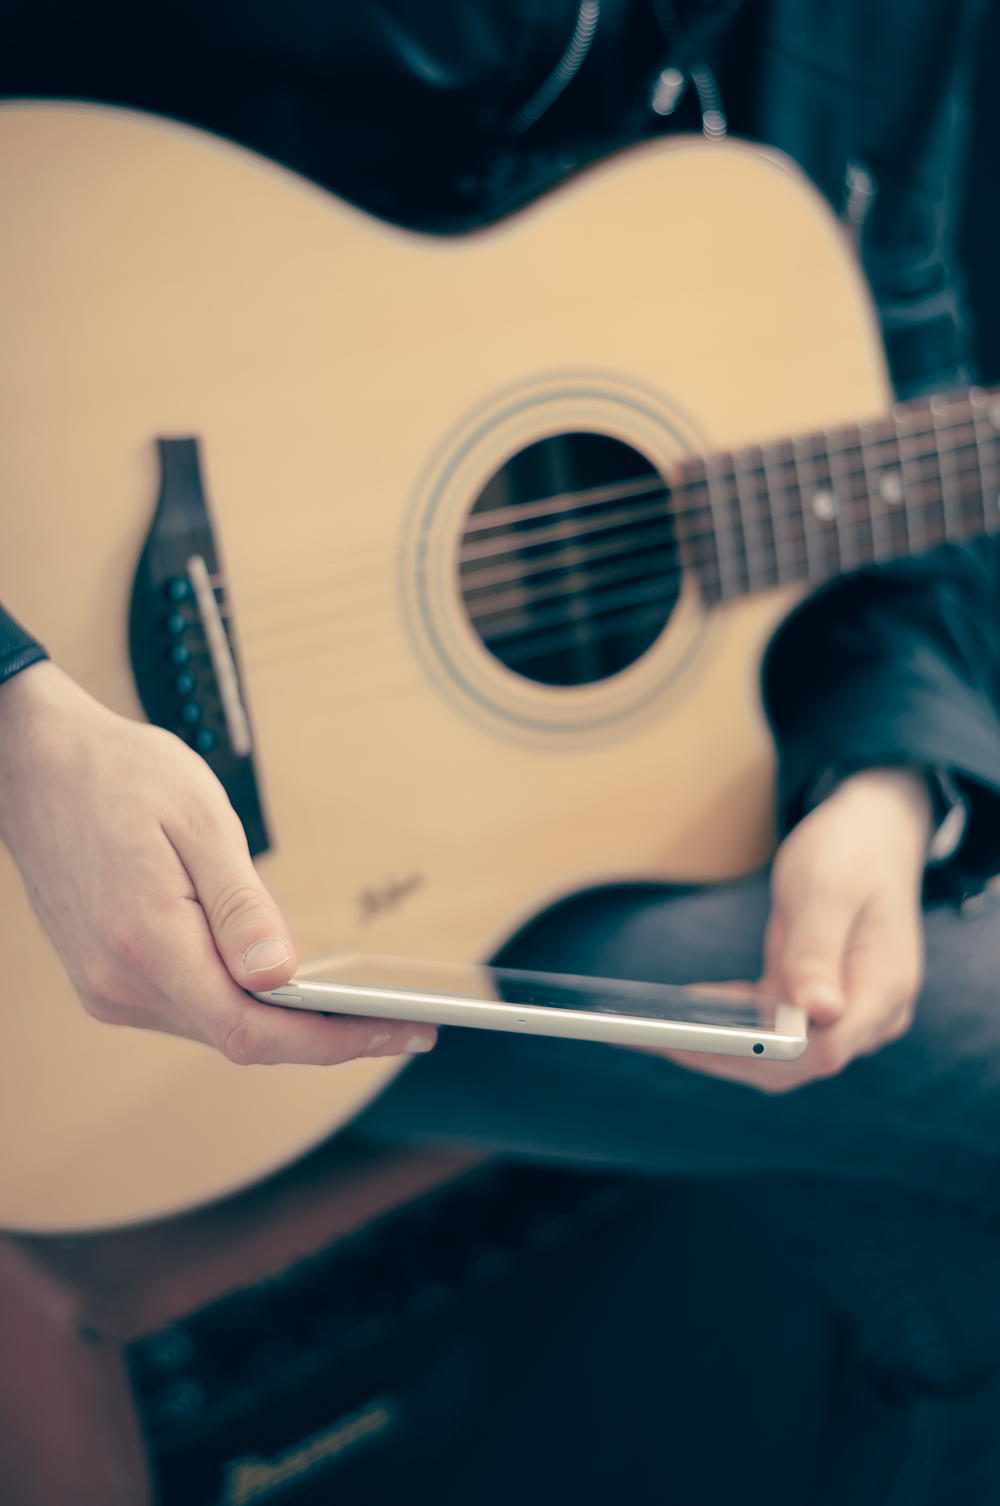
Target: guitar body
<point>354,387</point>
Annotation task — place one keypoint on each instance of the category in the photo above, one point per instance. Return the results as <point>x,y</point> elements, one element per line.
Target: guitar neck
<point>810,508</point>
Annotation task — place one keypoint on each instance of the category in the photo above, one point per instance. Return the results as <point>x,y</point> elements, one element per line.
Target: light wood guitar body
<point>354,386</point>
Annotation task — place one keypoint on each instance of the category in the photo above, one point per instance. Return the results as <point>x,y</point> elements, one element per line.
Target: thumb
<point>249,931</point>
<point>805,947</point>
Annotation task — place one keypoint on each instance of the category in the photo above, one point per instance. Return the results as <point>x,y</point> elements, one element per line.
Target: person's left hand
<point>844,939</point>
<point>138,868</point>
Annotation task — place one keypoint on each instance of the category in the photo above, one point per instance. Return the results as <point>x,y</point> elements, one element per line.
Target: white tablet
<point>734,1022</point>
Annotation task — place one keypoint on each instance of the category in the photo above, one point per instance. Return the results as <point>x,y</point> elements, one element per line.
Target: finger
<point>878,1009</point>
<point>200,999</point>
<point>804,947</point>
<point>767,1077</point>
<point>882,979</point>
<point>248,929</point>
<point>264,1034</point>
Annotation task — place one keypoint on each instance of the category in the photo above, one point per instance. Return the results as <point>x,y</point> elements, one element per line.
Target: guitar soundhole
<point>569,563</point>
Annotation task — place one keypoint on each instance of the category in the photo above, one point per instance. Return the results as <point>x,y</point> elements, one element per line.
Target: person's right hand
<point>844,939</point>
<point>139,869</point>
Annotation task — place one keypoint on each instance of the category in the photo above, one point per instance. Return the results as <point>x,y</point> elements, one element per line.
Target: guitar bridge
<point>180,640</point>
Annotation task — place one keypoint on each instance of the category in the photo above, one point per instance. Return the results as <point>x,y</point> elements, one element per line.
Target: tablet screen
<point>737,1008</point>
<point>646,1001</point>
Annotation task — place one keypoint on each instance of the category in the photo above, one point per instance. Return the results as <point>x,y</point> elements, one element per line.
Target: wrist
<point>900,795</point>
<point>948,806</point>
<point>35,707</point>
<point>20,697</point>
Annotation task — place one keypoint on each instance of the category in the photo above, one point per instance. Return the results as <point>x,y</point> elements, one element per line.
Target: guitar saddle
<point>180,636</point>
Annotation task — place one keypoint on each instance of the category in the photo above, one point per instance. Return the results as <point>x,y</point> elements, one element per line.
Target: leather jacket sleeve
<point>892,666</point>
<point>17,648</point>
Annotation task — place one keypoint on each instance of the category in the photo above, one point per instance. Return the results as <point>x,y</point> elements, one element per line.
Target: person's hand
<point>845,936</point>
<point>139,869</point>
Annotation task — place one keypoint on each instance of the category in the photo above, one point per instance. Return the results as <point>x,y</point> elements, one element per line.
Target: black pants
<point>886,1178</point>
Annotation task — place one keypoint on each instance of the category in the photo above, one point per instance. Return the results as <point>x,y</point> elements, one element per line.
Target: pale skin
<point>844,938</point>
<point>139,870</point>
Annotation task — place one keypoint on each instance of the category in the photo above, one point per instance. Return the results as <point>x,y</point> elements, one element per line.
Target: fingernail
<point>265,954</point>
<point>379,1040</point>
<point>418,1043</point>
<point>819,995</point>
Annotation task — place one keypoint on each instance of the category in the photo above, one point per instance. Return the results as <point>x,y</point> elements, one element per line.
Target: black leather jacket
<point>417,111</point>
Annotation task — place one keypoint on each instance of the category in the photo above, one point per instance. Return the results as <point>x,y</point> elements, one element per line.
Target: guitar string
<point>511,543</point>
<point>778,559</point>
<point>597,628</point>
<point>924,494</point>
<point>821,444</point>
<point>658,559</point>
<point>662,587</point>
<point>831,539</point>
<point>589,496</point>
<point>660,528</point>
<point>692,558</point>
<point>578,634</point>
<point>589,630</point>
<point>816,448</point>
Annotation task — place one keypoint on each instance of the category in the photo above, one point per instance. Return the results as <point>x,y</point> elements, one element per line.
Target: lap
<point>923,1113</point>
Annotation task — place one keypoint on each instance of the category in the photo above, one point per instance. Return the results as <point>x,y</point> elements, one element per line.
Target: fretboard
<point>810,508</point>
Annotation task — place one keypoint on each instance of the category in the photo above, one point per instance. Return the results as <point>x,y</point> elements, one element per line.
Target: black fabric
<point>885,1179</point>
<point>887,86</point>
<point>17,648</point>
<point>898,665</point>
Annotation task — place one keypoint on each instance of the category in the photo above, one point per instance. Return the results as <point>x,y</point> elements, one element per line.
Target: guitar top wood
<point>354,388</point>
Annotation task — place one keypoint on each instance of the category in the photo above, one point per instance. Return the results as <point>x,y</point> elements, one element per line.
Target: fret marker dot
<point>825,505</point>
<point>890,488</point>
<point>993,413</point>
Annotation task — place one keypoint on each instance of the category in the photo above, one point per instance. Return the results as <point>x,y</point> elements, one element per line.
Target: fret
<point>839,509</point>
<point>778,531</point>
<point>730,544</point>
<point>786,512</point>
<point>822,504</point>
<point>869,507</point>
<point>855,543</point>
<point>943,415</point>
<point>909,465</point>
<point>817,514</point>
<point>985,428</point>
<point>772,513</point>
<point>979,403</point>
<point>695,528</point>
<point>879,481</point>
<point>970,517</point>
<point>754,520</point>
<point>743,513</point>
<point>938,509</point>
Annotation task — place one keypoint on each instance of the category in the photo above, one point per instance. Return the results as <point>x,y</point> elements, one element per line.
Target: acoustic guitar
<point>455,559</point>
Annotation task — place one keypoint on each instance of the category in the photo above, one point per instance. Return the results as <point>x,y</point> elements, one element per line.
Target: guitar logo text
<point>388,896</point>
